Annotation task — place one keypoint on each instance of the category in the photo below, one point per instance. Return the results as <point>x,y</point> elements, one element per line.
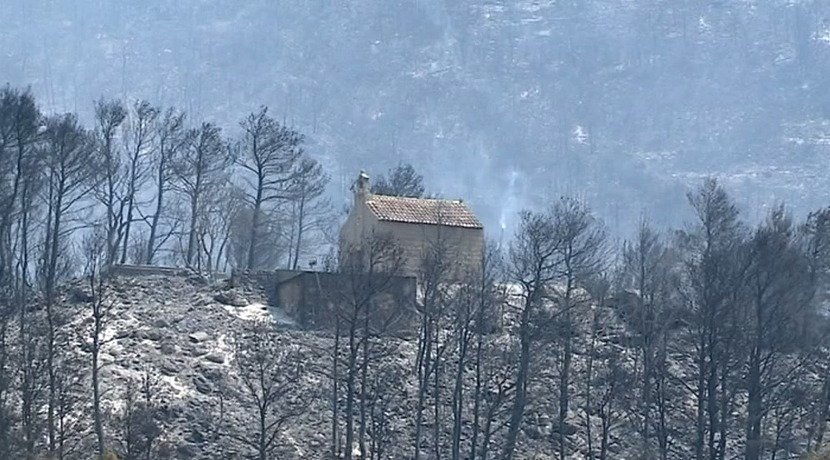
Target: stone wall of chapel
<point>464,245</point>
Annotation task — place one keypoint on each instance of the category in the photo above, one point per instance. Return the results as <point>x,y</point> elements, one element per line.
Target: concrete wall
<point>290,296</point>
<point>311,298</point>
<point>266,280</point>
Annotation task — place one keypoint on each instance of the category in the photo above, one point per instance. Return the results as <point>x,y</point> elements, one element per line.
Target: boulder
<point>152,334</point>
<point>123,333</point>
<point>202,385</point>
<point>168,348</point>
<point>213,374</point>
<point>197,279</point>
<point>186,451</point>
<point>78,295</point>
<point>195,436</point>
<point>533,432</point>
<point>169,368</point>
<point>197,351</point>
<point>198,337</point>
<point>570,429</point>
<point>231,298</point>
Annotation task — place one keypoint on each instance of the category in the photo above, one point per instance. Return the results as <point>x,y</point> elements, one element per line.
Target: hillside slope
<point>179,345</point>
<point>172,331</point>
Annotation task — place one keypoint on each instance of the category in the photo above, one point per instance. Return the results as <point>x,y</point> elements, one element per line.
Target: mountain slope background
<point>506,104</point>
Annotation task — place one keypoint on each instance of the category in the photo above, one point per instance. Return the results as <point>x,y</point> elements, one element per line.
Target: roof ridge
<point>396,197</point>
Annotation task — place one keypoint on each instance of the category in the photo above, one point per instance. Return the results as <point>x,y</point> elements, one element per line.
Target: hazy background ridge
<point>502,103</point>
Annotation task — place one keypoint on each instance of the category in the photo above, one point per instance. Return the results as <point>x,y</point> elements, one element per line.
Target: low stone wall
<point>147,270</point>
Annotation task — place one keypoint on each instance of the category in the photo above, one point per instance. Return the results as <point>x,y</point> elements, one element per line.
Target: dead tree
<point>25,189</point>
<point>268,157</point>
<point>33,390</point>
<point>778,283</point>
<point>200,170</point>
<point>128,429</point>
<point>69,162</point>
<point>472,317</point>
<point>20,176</point>
<point>271,372</point>
<point>612,382</point>
<point>663,394</point>
<point>711,273</point>
<point>6,379</point>
<point>171,140</point>
<point>335,390</point>
<point>364,316</point>
<point>109,115</point>
<point>386,393</point>
<point>533,264</point>
<point>139,136</point>
<point>646,274</point>
<point>19,125</point>
<point>463,315</point>
<point>581,254</point>
<point>598,290</point>
<point>221,212</point>
<point>140,427</point>
<point>402,180</point>
<point>489,296</point>
<point>437,271</point>
<point>309,212</point>
<point>71,426</point>
<point>96,252</point>
<point>815,232</point>
<point>496,383</point>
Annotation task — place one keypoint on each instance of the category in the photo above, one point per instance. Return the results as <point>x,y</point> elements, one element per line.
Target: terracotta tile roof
<point>452,213</point>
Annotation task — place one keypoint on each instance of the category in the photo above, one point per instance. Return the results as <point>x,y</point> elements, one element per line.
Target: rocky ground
<point>180,331</point>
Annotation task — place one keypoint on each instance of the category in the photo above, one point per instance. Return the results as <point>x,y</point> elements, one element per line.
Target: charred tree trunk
<point>300,225</point>
<point>192,234</point>
<point>335,396</point>
<point>363,385</point>
<point>424,365</point>
<point>477,390</point>
<point>98,418</point>
<point>254,234</point>
<point>156,218</point>
<point>458,392</point>
<point>520,399</point>
<point>351,376</point>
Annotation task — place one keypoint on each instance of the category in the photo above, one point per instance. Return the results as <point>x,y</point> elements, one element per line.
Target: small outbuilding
<point>312,298</point>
